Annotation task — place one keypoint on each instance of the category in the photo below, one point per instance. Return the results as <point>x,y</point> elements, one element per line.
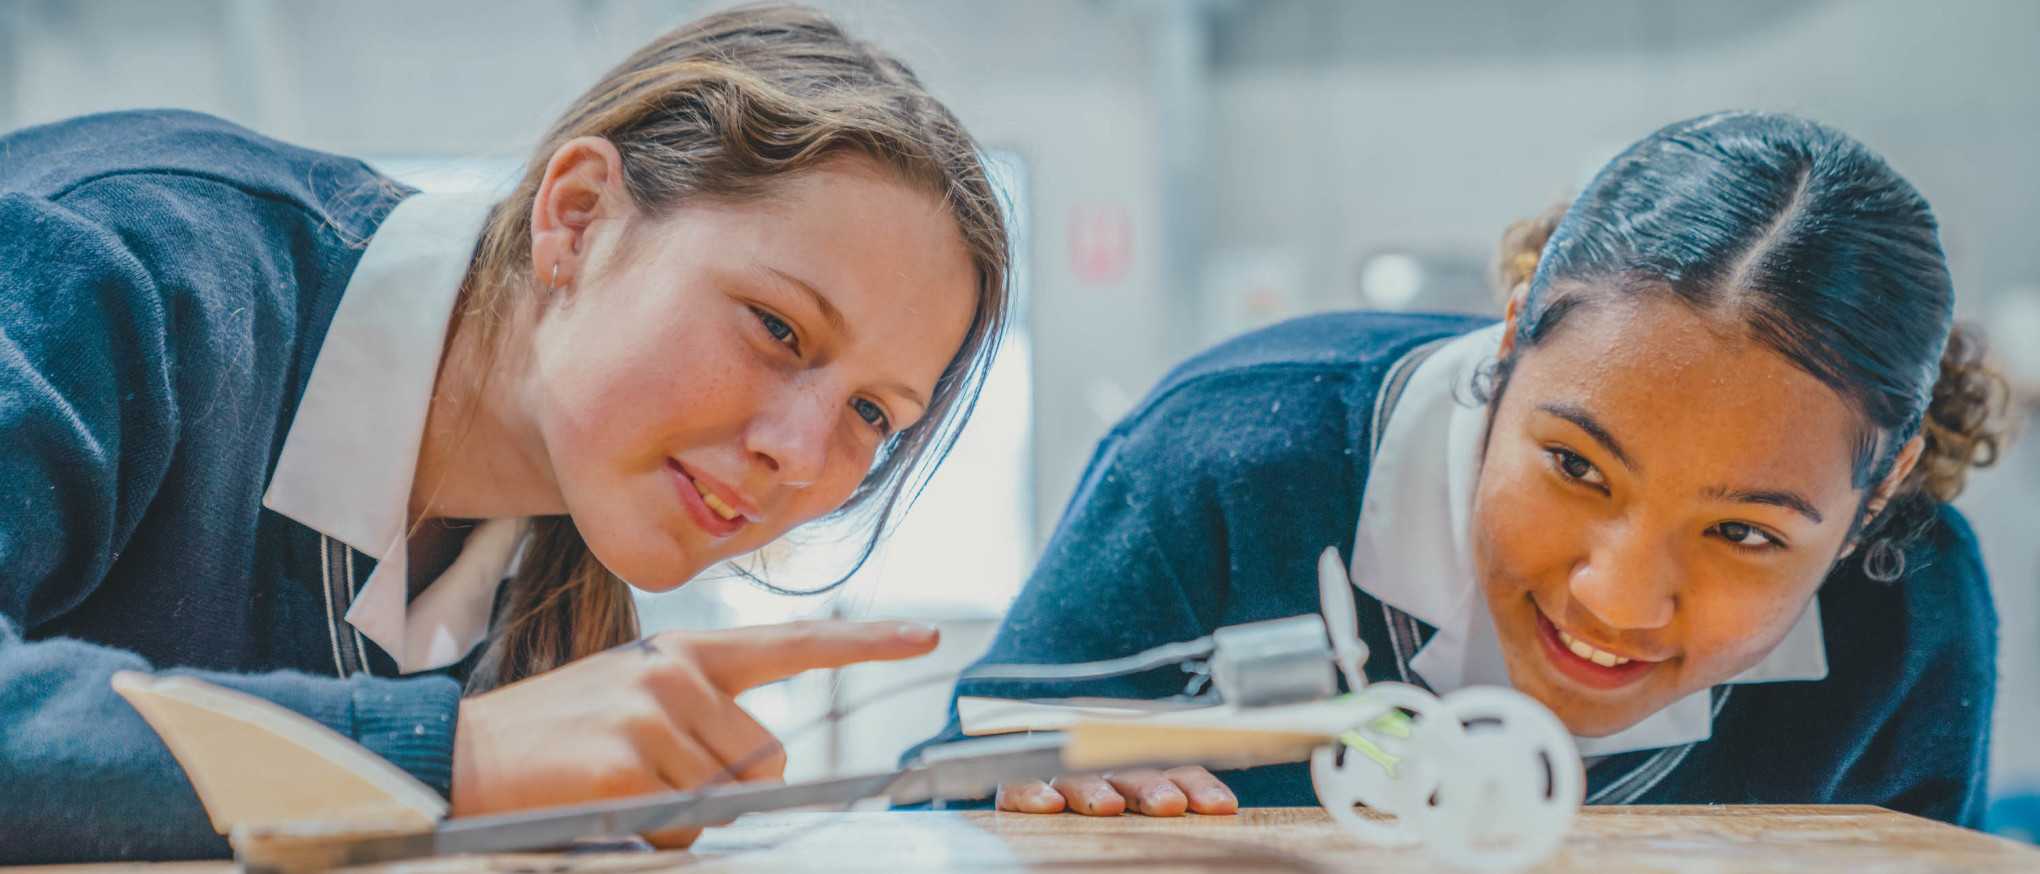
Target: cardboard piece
<point>255,763</point>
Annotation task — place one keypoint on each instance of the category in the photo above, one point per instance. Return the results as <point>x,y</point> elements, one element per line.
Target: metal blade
<point>974,768</point>
<point>555,827</point>
<point>970,769</point>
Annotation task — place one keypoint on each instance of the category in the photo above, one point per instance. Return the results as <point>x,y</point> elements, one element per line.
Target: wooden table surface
<point>1676,840</point>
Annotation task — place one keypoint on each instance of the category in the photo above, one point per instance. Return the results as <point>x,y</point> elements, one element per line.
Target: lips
<point>1584,669</point>
<point>691,492</point>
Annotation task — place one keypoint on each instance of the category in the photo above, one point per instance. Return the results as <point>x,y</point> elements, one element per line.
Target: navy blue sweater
<point>165,282</point>
<point>1206,507</point>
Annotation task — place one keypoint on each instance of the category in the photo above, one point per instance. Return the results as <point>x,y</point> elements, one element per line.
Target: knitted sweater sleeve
<point>89,422</point>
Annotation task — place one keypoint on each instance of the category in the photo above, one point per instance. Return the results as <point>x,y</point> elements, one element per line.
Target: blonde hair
<point>722,108</point>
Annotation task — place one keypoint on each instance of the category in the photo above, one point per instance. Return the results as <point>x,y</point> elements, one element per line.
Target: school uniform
<point>216,354</point>
<point>1209,504</point>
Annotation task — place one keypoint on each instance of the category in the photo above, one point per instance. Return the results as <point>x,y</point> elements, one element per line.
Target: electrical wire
<point>1159,657</point>
<point>1147,660</point>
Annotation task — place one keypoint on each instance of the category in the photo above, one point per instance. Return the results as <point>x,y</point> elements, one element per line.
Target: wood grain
<point>1672,840</point>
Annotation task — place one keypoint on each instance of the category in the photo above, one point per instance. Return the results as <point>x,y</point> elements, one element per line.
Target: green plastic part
<point>1394,723</point>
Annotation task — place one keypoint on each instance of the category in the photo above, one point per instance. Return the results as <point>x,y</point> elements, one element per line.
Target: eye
<point>1743,535</point>
<point>1576,468</point>
<point>872,415</point>
<point>781,331</point>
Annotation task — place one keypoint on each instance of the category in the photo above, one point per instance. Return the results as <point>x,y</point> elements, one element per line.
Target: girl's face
<point>1660,492</point>
<point>720,375</point>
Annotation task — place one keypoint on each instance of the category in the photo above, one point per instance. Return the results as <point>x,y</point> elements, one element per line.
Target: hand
<point>1148,792</point>
<point>651,716</point>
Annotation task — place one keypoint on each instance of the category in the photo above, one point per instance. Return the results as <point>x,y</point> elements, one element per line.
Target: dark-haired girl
<point>1690,493</point>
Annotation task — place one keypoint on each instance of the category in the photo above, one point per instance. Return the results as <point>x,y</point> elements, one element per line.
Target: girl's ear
<point>583,186</point>
<point>1902,467</point>
<point>1908,458</point>
<point>1511,312</point>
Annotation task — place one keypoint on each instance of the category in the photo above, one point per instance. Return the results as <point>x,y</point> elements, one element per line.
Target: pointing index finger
<point>744,658</point>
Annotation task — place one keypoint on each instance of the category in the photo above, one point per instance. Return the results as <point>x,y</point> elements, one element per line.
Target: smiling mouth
<point>721,509</point>
<point>713,514</point>
<point>1587,651</point>
<point>1584,663</point>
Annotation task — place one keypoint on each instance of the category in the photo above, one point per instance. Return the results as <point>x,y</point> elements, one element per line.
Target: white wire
<point>1160,657</point>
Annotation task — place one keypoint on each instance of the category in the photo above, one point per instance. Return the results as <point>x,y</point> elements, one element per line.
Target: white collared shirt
<point>1412,551</point>
<point>352,452</point>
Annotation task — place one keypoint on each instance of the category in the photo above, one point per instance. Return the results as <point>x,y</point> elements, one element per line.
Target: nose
<point>790,435</point>
<point>1628,580</point>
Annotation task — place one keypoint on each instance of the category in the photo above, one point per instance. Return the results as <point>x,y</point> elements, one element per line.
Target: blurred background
<point>1180,171</point>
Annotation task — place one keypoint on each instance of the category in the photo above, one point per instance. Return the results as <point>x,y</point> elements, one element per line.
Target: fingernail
<point>914,632</point>
<point>1159,799</point>
<point>1038,802</point>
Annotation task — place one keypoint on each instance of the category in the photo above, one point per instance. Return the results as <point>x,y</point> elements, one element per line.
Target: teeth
<point>1583,650</point>
<point>722,509</point>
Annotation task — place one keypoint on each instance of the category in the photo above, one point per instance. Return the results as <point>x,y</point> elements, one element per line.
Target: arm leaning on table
<point>1195,513</point>
<point>91,410</point>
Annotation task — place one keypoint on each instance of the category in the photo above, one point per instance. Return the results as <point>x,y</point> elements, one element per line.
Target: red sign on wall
<point>1101,243</point>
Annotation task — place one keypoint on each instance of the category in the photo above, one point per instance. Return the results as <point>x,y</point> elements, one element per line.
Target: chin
<point>1587,716</point>
<point>1584,713</point>
<point>652,563</point>
<point>1598,724</point>
<point>656,586</point>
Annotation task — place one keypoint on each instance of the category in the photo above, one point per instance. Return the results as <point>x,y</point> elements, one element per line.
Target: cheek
<point>1521,531</point>
<point>849,462</point>
<point>1730,627</point>
<point>630,393</point>
<point>804,506</point>
<point>823,499</point>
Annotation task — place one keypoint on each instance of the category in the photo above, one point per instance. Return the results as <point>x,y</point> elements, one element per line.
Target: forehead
<point>1694,396</point>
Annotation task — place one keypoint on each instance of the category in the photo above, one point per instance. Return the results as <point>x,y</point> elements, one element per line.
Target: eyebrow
<point>1585,422</point>
<point>842,326</point>
<point>1774,497</point>
<point>907,393</point>
<point>821,301</point>
<point>1789,500</point>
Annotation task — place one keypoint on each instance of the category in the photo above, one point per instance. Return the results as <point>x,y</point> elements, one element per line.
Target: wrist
<point>461,790</point>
